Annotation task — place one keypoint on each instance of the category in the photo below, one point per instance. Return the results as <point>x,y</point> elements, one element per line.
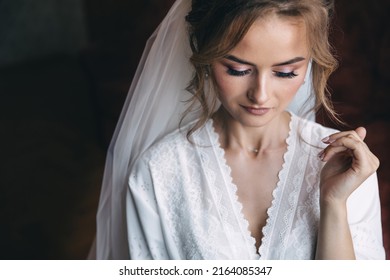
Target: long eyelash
<point>288,75</point>
<point>233,72</point>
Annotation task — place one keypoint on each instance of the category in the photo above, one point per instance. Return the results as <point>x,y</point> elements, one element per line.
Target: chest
<point>256,179</point>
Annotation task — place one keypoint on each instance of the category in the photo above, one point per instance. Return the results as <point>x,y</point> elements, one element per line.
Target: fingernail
<point>321,155</point>
<point>326,139</point>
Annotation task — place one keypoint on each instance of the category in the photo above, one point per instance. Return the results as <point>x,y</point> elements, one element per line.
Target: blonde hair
<point>216,27</point>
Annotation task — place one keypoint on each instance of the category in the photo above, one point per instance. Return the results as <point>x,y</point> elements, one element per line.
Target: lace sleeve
<point>364,217</point>
<point>144,231</point>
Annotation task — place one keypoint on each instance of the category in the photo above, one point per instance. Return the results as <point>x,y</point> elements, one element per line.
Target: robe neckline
<point>276,193</point>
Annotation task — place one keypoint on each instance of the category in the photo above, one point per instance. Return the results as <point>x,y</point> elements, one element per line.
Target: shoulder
<point>173,146</point>
<point>166,147</point>
<point>168,160</point>
<point>160,158</point>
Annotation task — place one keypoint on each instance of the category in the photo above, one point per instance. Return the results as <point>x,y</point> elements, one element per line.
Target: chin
<point>254,121</point>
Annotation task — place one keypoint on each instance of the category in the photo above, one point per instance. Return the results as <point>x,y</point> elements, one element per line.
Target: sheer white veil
<point>153,108</point>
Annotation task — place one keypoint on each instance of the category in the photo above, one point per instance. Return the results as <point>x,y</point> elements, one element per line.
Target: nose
<point>258,91</point>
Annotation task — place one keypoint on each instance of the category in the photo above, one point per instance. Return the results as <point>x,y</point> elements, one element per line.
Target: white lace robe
<point>182,203</point>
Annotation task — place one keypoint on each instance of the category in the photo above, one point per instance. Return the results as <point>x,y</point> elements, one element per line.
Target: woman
<point>243,177</point>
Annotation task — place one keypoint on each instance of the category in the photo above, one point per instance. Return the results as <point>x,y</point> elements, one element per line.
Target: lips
<point>257,111</point>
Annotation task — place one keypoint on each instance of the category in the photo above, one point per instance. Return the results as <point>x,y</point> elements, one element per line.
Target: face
<point>257,80</point>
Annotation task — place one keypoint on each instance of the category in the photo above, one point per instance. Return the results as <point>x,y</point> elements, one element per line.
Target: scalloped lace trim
<point>232,188</point>
<point>278,191</point>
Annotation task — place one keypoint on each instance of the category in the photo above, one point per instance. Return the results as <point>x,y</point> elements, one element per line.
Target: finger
<point>351,133</point>
<point>361,132</point>
<point>363,161</point>
<point>358,149</point>
<point>330,151</point>
<point>337,147</point>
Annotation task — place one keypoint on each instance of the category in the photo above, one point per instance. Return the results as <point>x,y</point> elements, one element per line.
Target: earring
<point>207,71</point>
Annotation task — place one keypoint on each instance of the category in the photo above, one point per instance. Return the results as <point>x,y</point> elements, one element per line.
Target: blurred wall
<point>37,28</point>
<point>360,87</point>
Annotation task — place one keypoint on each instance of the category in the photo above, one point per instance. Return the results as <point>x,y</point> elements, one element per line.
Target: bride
<point>216,154</point>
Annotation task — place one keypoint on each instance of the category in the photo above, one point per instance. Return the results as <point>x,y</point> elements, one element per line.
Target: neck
<point>234,136</point>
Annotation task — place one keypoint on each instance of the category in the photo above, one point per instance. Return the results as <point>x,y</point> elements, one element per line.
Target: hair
<point>216,27</point>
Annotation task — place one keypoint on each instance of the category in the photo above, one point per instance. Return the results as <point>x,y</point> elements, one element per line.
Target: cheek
<point>222,85</point>
<point>230,87</point>
<point>293,86</point>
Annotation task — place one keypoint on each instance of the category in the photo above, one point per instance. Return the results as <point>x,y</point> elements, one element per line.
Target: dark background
<point>65,68</point>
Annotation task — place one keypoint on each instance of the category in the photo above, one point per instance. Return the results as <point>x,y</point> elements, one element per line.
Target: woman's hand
<point>349,162</point>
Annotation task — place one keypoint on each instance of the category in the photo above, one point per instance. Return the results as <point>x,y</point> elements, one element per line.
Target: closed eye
<point>288,75</point>
<point>233,72</point>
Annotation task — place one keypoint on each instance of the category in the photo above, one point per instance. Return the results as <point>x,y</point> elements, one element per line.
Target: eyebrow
<point>238,60</point>
<point>291,61</point>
